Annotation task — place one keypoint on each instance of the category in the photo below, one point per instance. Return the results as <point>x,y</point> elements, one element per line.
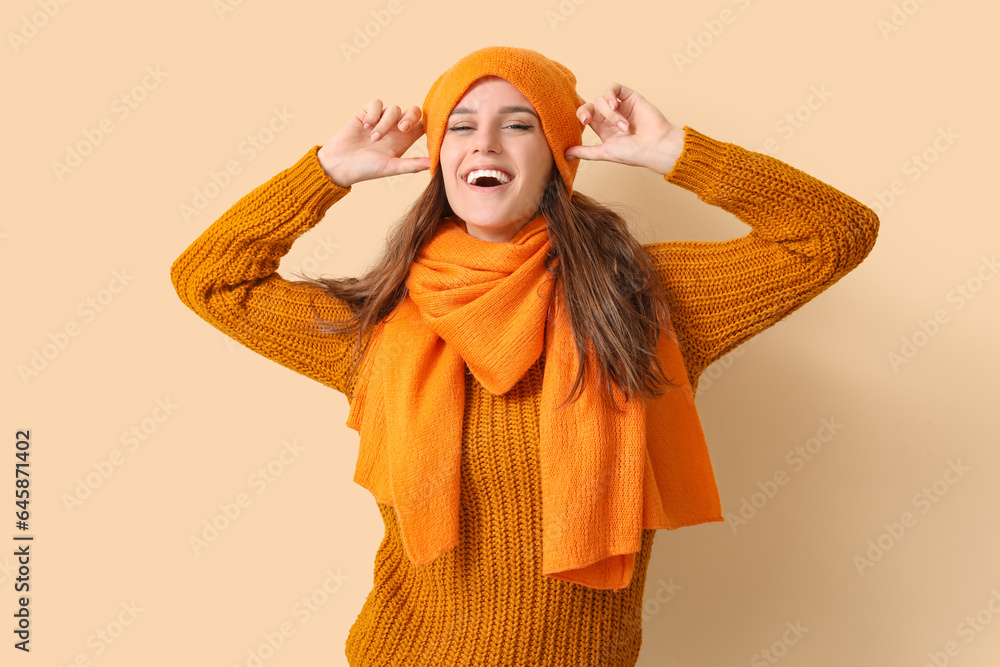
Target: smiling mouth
<point>489,187</point>
<point>488,183</point>
<point>485,177</point>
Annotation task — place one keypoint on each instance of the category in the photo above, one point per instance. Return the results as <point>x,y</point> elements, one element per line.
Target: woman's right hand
<point>357,153</point>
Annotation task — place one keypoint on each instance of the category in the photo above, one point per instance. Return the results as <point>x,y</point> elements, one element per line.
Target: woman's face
<point>495,126</point>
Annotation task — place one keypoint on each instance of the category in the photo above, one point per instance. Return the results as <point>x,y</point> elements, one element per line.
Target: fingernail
<point>375,136</point>
<point>622,124</point>
<point>404,126</point>
<point>367,125</point>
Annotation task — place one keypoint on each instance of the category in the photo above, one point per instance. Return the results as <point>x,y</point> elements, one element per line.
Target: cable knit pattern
<point>485,602</point>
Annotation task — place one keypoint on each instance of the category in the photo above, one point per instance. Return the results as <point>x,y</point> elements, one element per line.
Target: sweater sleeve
<point>805,235</point>
<point>228,276</point>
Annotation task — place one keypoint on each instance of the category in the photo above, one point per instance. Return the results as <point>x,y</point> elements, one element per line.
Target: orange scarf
<point>604,474</point>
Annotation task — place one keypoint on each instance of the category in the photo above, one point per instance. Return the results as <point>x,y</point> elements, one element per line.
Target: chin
<point>488,218</point>
<point>492,222</point>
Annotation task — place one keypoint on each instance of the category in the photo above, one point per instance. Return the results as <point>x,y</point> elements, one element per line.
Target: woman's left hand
<point>647,138</point>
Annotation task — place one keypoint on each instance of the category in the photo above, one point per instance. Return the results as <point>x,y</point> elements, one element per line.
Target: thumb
<point>409,165</point>
<point>415,164</point>
<point>586,152</point>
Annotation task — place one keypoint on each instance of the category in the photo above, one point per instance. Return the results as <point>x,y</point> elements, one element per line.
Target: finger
<point>370,113</point>
<point>629,99</point>
<point>596,114</point>
<point>409,119</point>
<point>385,124</point>
<point>595,152</point>
<point>585,113</point>
<point>614,117</point>
<point>621,91</point>
<point>414,164</point>
<point>390,115</point>
<point>419,128</point>
<point>611,96</point>
<point>621,99</point>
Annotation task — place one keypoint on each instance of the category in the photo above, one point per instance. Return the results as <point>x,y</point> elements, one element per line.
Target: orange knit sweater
<point>485,602</point>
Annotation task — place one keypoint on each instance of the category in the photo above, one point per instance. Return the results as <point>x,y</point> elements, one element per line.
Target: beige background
<point>716,594</point>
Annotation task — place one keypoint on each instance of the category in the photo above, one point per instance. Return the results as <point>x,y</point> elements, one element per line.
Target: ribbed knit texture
<point>485,602</point>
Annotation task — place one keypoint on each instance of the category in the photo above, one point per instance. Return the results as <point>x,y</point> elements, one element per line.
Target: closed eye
<point>514,125</point>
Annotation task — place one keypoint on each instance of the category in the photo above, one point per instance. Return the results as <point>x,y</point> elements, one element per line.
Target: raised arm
<point>805,236</point>
<point>228,276</point>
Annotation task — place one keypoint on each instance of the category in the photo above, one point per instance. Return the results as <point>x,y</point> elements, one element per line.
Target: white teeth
<point>478,173</point>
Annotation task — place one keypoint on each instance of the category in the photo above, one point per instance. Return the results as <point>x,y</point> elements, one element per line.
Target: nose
<point>487,139</point>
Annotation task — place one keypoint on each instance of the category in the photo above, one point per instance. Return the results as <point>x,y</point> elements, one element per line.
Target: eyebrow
<point>503,110</point>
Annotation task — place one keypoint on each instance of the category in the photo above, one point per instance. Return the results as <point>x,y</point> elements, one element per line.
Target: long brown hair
<point>611,290</point>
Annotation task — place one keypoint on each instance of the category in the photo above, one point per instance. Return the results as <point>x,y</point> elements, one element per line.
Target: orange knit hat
<point>548,85</point>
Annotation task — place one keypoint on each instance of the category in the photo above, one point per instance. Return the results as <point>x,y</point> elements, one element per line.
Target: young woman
<point>520,370</point>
